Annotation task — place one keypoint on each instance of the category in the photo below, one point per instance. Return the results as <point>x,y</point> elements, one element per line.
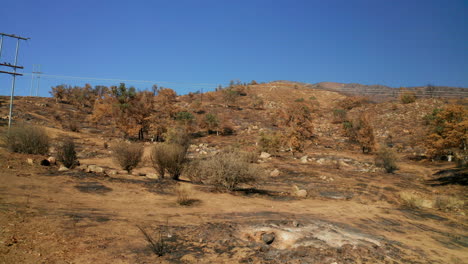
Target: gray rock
<point>301,193</point>
<point>30,161</point>
<point>268,238</point>
<point>304,159</point>
<point>265,155</point>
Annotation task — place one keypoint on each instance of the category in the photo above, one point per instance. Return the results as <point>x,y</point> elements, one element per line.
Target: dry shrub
<point>361,132</point>
<point>407,97</point>
<point>226,170</point>
<point>184,194</point>
<point>67,154</point>
<point>178,136</point>
<point>386,158</point>
<point>128,155</point>
<point>269,142</point>
<point>339,116</point>
<point>448,203</point>
<point>27,139</point>
<point>412,200</point>
<point>169,157</point>
<point>158,244</point>
<point>351,102</point>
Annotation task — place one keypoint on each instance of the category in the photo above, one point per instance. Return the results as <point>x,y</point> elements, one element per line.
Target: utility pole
<point>35,73</point>
<point>14,73</point>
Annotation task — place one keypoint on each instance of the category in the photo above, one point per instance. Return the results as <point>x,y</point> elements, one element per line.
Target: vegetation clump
<point>386,158</point>
<point>128,155</point>
<point>27,139</point>
<point>448,133</point>
<point>66,154</point>
<point>225,170</point>
<point>407,97</point>
<point>170,158</point>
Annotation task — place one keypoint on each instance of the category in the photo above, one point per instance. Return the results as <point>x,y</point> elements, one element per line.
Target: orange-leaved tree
<point>448,133</point>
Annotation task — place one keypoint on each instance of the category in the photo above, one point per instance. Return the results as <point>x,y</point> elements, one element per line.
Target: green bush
<point>28,139</point>
<point>67,154</point>
<point>128,155</point>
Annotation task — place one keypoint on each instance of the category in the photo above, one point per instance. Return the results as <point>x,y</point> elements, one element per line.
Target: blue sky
<point>195,44</point>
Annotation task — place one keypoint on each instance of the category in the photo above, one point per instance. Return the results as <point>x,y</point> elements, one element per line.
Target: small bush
<point>351,102</point>
<point>412,200</point>
<point>177,136</point>
<point>170,158</point>
<point>184,195</point>
<point>299,100</point>
<point>128,155</point>
<point>269,142</point>
<point>67,154</point>
<point>27,139</point>
<point>226,170</point>
<point>339,116</point>
<point>448,203</point>
<point>386,158</point>
<point>407,97</point>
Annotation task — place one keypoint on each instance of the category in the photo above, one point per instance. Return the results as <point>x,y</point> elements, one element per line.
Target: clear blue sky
<point>393,42</point>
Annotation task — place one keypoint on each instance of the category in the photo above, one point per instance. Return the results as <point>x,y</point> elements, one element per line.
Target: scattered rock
<point>63,168</point>
<point>82,167</point>
<point>265,155</point>
<point>268,238</point>
<point>301,193</point>
<point>30,161</point>
<point>110,172</point>
<point>95,169</point>
<point>295,223</point>
<point>152,176</point>
<point>122,172</point>
<point>52,160</point>
<point>45,162</point>
<point>275,173</point>
<point>304,159</point>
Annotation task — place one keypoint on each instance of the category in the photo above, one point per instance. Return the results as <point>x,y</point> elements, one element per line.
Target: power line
<point>117,80</point>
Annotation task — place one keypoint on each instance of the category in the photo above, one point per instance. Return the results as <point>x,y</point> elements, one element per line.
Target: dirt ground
<point>352,212</point>
<point>348,217</point>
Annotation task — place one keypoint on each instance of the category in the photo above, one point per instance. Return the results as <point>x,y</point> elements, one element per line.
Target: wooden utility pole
<point>14,73</point>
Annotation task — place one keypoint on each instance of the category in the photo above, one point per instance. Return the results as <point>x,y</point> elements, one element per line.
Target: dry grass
<point>448,203</point>
<point>413,200</point>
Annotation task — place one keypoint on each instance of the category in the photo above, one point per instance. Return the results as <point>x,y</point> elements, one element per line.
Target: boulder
<point>304,159</point>
<point>268,238</point>
<point>30,161</point>
<point>265,155</point>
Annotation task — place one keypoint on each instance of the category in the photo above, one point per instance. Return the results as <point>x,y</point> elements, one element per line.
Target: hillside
<point>327,202</point>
